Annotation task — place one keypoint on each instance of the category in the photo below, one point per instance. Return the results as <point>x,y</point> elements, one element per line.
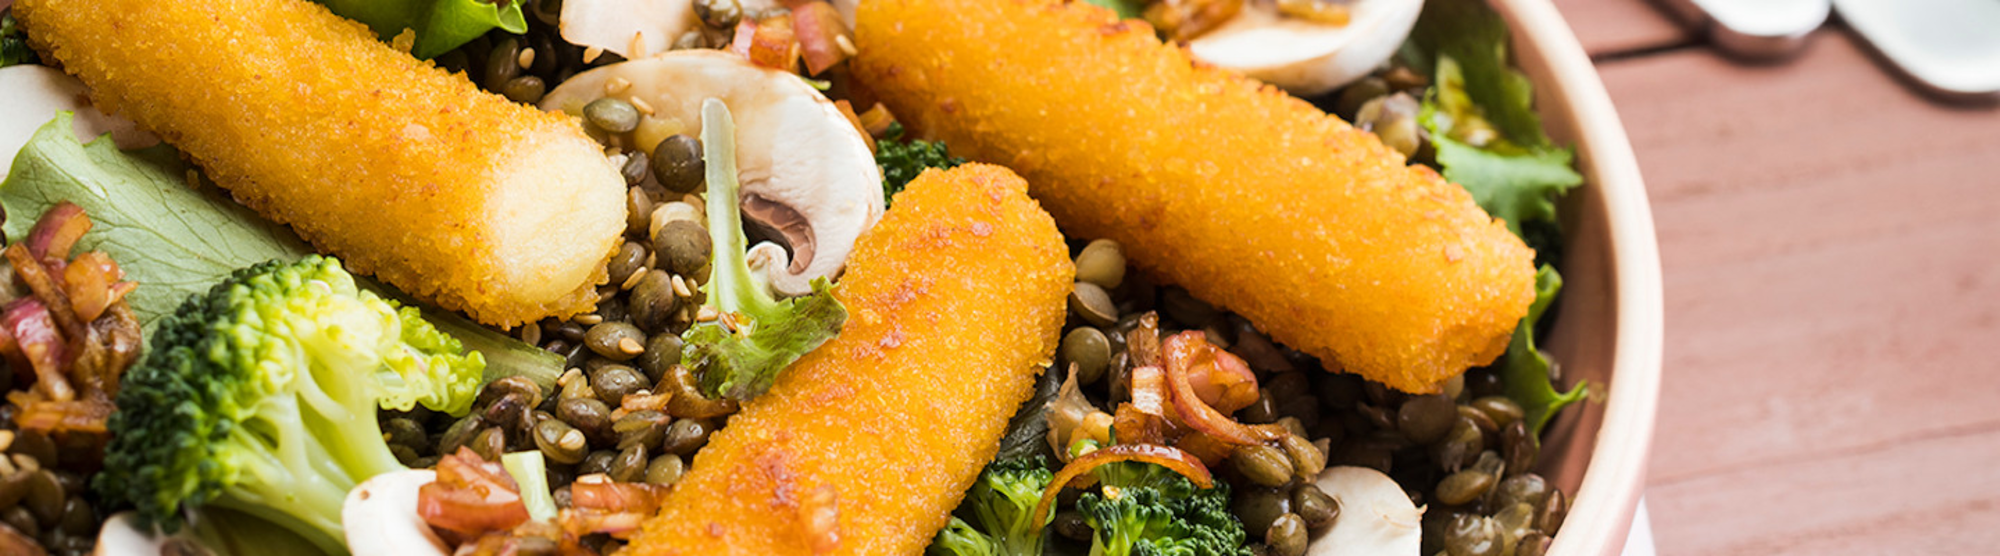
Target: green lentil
<point>631,257</point>
<point>617,341</point>
<point>682,247</point>
<point>1286,536</point>
<point>677,164</point>
<point>630,465</point>
<point>665,470</point>
<point>1262,464</point>
<point>718,14</point>
<point>1088,349</point>
<point>652,305</point>
<point>612,115</point>
<point>525,89</point>
<point>1101,262</point>
<point>1317,508</point>
<point>560,442</point>
<point>663,351</point>
<point>1259,507</point>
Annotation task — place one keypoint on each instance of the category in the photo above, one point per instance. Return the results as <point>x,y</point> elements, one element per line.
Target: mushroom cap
<point>36,93</point>
<point>621,25</point>
<point>1376,516</point>
<point>1305,57</point>
<point>380,516</point>
<point>120,535</point>
<point>807,173</point>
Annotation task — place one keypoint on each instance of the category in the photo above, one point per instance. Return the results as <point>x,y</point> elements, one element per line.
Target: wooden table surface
<point>1831,248</point>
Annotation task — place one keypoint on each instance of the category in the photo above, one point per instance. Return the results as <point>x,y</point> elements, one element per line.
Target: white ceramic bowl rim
<point>1570,92</point>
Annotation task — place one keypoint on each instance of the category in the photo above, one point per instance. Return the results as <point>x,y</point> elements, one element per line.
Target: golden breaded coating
<point>866,444</point>
<point>404,171</point>
<point>1251,199</point>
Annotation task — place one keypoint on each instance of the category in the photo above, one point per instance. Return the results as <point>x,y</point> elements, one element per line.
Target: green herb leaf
<point>903,160</point>
<point>171,238</point>
<point>440,25</point>
<point>14,43</point>
<point>1526,371</point>
<point>1127,9</point>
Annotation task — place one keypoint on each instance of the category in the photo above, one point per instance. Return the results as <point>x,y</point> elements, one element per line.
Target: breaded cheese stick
<point>1251,199</point>
<point>865,445</point>
<point>454,195</point>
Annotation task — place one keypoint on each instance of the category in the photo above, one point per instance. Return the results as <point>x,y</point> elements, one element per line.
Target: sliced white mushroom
<point>635,28</point>
<point>121,536</point>
<point>380,516</point>
<point>807,174</point>
<point>1308,57</point>
<point>36,93</point>
<point>1376,516</point>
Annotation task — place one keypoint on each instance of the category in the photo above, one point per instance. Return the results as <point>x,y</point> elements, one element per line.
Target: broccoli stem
<point>305,482</point>
<point>505,356</point>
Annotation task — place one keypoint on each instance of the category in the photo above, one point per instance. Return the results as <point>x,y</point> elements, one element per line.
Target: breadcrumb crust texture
<point>1251,199</point>
<point>392,164</point>
<point>955,301</point>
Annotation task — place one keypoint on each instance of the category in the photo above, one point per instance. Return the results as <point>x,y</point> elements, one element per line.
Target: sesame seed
<point>572,440</point>
<point>633,280</point>
<point>591,54</point>
<point>637,48</point>
<point>617,85</point>
<point>681,287</point>
<point>589,319</point>
<point>630,346</point>
<point>531,334</point>
<point>526,59</point>
<point>644,108</point>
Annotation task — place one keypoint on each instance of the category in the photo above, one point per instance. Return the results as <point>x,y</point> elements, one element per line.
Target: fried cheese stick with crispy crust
<point>406,172</point>
<point>866,444</point>
<point>1251,199</point>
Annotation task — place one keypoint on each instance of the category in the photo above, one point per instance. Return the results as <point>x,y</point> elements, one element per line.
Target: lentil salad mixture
<point>626,410</point>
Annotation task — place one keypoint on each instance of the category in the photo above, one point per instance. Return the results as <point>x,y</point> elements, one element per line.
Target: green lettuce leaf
<point>171,238</point>
<point>1526,371</point>
<point>175,238</point>
<point>741,361</point>
<point>440,25</point>
<point>1481,117</point>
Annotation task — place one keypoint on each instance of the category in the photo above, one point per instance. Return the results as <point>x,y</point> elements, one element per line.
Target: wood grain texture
<point>1615,26</point>
<point>1832,276</point>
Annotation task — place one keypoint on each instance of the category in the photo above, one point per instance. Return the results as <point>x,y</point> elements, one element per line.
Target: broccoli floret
<point>261,397</point>
<point>1003,503</point>
<point>740,355</point>
<point>1163,514</point>
<point>903,159</point>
